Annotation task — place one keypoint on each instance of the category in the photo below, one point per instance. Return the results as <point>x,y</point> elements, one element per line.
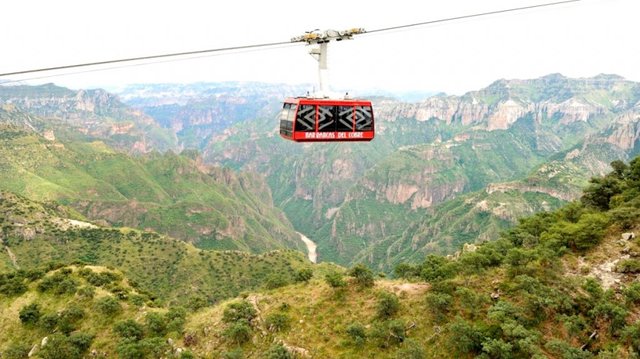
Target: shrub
<point>49,321</point>
<point>176,316</point>
<point>335,280</point>
<point>108,306</point>
<point>278,351</point>
<point>628,266</point>
<point>276,281</point>
<point>389,333</point>
<point>237,311</point>
<point>357,333</point>
<point>406,271</point>
<point>563,350</point>
<point>30,314</point>
<point>17,351</point>
<point>388,305</point>
<point>155,324</point>
<point>86,292</point>
<point>464,338</point>
<point>129,329</point>
<point>238,332</point>
<point>439,305</point>
<point>304,275</point>
<point>363,275</point>
<point>278,322</point>
<point>154,347</point>
<point>435,268</point>
<point>411,350</point>
<point>59,346</point>
<point>69,318</point>
<point>632,293</point>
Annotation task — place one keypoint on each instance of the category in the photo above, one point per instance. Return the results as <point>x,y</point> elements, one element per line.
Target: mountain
<point>38,233</point>
<point>535,141</point>
<point>196,112</point>
<point>86,114</point>
<point>560,284</point>
<point>173,194</point>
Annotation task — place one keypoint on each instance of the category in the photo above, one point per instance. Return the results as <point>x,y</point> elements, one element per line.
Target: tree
<point>435,268</point>
<point>30,314</point>
<point>363,275</point>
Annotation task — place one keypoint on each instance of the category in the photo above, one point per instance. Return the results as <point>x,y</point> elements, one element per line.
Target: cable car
<point>323,117</point>
<point>321,120</point>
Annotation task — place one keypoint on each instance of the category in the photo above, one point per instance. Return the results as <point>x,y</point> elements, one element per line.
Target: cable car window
<point>345,119</point>
<point>306,119</point>
<point>364,118</point>
<point>326,119</point>
<point>286,123</point>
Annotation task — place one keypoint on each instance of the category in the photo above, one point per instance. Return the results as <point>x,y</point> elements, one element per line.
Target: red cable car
<point>316,120</point>
<point>321,117</point>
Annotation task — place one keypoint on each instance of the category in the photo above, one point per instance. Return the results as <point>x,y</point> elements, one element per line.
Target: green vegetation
<point>172,194</point>
<point>163,269</point>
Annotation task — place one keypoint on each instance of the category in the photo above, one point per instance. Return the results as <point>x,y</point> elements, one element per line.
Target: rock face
<point>95,113</point>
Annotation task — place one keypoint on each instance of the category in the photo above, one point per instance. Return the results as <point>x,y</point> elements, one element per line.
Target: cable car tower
<point>319,52</point>
<point>320,116</point>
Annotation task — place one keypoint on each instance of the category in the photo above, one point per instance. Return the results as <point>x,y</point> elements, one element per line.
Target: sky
<point>580,39</point>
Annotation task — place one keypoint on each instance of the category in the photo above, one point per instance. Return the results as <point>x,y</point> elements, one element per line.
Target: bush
<point>278,351</point>
<point>108,306</point>
<point>17,351</point>
<point>155,324</point>
<point>357,333</point>
<point>411,350</point>
<point>464,338</point>
<point>632,293</point>
<point>276,281</point>
<point>86,292</point>
<point>406,271</point>
<point>129,329</point>
<point>278,322</point>
<point>439,305</point>
<point>435,268</point>
<point>69,318</point>
<point>238,332</point>
<point>628,266</point>
<point>388,305</point>
<point>236,311</point>
<point>335,280</point>
<point>389,333</point>
<point>363,275</point>
<point>49,321</point>
<point>30,314</point>
<point>176,316</point>
<point>304,275</point>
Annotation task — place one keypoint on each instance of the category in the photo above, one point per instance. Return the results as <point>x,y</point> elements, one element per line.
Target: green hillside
<point>35,234</point>
<point>171,194</point>
<point>560,284</point>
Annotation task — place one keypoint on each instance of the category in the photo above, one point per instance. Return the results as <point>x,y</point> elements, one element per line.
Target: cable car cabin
<point>315,120</point>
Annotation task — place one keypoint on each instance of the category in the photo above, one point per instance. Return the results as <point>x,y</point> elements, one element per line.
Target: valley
<point>507,199</point>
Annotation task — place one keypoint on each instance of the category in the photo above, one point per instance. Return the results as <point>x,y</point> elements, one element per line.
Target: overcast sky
<point>580,39</point>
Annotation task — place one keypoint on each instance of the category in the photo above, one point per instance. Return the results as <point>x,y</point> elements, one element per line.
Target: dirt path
<point>311,248</point>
